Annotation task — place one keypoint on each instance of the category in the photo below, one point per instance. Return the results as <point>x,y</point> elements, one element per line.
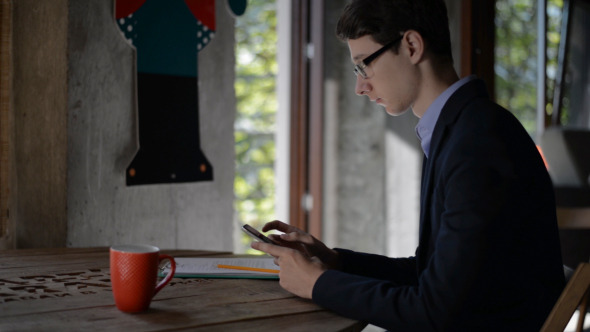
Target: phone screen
<point>256,234</point>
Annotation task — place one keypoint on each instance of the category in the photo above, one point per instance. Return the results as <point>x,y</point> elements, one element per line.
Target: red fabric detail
<point>204,11</point>
<point>125,7</point>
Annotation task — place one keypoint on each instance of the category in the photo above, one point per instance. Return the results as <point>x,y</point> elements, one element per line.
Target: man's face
<point>391,78</point>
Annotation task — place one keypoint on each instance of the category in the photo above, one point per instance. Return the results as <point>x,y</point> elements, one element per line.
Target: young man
<point>488,257</point>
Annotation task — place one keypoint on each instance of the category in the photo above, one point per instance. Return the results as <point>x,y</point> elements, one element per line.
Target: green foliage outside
<point>516,56</point>
<point>255,126</point>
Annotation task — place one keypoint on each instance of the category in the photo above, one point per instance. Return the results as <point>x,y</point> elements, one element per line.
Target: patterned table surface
<point>69,290</point>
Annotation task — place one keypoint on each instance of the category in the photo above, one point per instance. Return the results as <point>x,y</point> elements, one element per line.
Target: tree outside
<point>516,56</point>
<point>255,125</point>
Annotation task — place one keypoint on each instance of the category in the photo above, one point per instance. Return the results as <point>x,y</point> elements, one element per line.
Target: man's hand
<point>299,240</point>
<point>299,272</point>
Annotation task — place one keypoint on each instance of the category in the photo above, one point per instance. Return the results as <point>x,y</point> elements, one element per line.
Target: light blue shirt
<point>426,124</point>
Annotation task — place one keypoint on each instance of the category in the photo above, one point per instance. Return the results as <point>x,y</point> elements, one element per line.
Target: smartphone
<point>256,234</point>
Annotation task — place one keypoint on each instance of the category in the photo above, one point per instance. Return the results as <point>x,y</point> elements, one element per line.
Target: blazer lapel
<point>448,116</point>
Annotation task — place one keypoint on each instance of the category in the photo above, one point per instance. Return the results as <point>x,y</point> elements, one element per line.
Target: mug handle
<point>168,277</point>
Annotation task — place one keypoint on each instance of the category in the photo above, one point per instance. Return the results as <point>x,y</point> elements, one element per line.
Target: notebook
<point>208,267</point>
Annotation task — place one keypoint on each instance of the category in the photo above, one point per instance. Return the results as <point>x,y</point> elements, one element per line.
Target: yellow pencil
<point>245,268</point>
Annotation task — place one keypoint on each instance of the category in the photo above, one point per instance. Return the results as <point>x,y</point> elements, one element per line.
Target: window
<point>256,117</point>
<point>516,62</point>
<point>572,110</point>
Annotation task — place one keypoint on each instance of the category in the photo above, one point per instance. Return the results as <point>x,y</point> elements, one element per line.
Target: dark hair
<point>385,20</point>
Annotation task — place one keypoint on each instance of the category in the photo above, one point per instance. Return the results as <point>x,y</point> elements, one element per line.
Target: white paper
<point>203,267</point>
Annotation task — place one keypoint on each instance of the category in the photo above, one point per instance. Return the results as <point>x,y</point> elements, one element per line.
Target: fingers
<point>298,237</point>
<point>268,248</point>
<point>293,238</point>
<point>275,237</point>
<point>288,244</point>
<point>291,233</point>
<point>279,226</point>
<point>284,239</point>
<point>265,248</point>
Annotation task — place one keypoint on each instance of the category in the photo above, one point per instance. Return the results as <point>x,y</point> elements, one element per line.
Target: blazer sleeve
<point>365,283</point>
<point>399,271</point>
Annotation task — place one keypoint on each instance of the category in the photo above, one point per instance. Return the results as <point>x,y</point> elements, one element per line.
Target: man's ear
<point>415,45</point>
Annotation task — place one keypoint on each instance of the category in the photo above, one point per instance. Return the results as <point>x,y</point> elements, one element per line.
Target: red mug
<point>134,274</point>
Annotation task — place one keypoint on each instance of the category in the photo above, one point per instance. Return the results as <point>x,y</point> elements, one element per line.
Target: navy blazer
<point>488,257</point>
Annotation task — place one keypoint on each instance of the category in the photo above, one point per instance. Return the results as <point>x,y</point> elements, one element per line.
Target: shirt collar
<point>425,126</point>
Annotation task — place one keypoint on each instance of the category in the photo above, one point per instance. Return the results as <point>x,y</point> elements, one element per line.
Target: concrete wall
<point>76,128</point>
<point>102,131</point>
<point>373,161</point>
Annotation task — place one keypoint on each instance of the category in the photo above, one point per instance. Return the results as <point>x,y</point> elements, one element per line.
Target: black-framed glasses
<point>359,69</point>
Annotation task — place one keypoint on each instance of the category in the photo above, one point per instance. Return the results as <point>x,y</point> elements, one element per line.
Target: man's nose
<point>362,86</point>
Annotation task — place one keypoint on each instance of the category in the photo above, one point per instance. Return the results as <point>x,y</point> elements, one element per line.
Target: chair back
<point>575,294</point>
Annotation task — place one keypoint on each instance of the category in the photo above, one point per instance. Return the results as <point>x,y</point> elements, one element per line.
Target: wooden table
<point>70,290</point>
